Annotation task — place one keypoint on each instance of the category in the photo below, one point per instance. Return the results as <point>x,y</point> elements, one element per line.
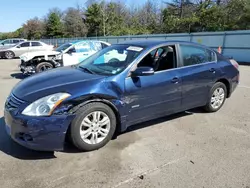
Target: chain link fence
<point>232,43</point>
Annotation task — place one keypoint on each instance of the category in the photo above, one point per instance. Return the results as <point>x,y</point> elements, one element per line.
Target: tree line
<point>115,18</point>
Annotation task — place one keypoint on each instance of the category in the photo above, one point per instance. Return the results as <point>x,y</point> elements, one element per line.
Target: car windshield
<point>111,60</point>
<point>63,47</point>
<point>3,42</point>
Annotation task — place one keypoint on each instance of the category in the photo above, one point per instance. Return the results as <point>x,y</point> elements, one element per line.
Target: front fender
<point>114,104</point>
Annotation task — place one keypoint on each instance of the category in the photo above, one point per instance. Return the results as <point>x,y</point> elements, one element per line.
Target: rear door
<point>36,46</point>
<point>199,70</point>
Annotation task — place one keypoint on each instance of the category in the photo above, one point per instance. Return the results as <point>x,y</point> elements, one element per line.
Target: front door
<point>70,57</point>
<point>149,96</point>
<point>22,48</point>
<point>198,74</point>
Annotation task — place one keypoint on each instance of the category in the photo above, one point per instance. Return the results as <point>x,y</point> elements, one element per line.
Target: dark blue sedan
<point>121,85</point>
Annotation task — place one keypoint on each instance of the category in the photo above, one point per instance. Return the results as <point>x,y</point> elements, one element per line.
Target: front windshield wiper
<point>87,70</point>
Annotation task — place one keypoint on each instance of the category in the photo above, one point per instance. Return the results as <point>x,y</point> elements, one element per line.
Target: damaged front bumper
<point>37,133</point>
<point>26,69</point>
<point>29,67</point>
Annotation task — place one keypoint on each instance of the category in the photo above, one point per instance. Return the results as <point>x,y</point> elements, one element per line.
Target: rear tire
<point>43,66</point>
<point>217,97</point>
<point>93,126</point>
<point>9,55</point>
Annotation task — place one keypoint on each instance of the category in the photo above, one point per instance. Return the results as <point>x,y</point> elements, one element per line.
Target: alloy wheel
<point>217,98</point>
<point>95,127</point>
<point>9,55</point>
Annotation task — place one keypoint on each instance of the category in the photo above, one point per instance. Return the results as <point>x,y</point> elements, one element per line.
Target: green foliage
<point>33,29</point>
<point>54,26</point>
<point>94,19</point>
<point>73,23</point>
<point>107,18</point>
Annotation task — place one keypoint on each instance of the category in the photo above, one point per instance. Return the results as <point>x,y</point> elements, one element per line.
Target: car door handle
<point>212,70</point>
<point>175,80</point>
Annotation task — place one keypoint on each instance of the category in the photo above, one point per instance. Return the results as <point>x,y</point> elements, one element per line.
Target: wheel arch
<point>99,99</point>
<point>227,84</point>
<point>11,52</point>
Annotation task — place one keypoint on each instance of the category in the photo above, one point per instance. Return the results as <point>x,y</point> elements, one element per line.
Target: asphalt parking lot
<point>192,149</point>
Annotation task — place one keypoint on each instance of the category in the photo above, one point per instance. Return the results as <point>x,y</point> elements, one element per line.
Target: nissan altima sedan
<point>91,101</point>
<point>23,47</point>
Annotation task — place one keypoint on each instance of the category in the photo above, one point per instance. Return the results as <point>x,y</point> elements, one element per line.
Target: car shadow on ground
<point>156,121</point>
<point>69,148</point>
<point>19,76</point>
<point>11,148</point>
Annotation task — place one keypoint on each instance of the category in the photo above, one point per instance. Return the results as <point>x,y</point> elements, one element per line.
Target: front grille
<point>13,102</point>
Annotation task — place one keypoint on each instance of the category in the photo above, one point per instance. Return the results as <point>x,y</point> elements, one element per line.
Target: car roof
<point>75,42</point>
<point>33,41</point>
<point>152,43</point>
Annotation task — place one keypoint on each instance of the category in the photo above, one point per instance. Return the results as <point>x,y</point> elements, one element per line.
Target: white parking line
<point>149,171</point>
<point>244,86</point>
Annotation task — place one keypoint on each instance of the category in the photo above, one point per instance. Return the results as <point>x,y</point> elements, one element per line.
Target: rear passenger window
<point>192,55</point>
<point>36,44</point>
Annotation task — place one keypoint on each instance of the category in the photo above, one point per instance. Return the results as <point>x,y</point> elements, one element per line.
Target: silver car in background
<point>10,42</point>
<point>23,47</point>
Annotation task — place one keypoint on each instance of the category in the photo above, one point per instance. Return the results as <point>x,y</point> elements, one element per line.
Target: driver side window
<point>25,44</point>
<point>160,59</point>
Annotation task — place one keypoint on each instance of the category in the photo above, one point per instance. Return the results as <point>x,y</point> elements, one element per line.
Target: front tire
<point>93,126</point>
<point>43,66</point>
<point>9,55</point>
<point>217,97</point>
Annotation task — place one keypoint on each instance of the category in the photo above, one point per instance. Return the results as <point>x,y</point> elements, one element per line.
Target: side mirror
<point>71,50</point>
<point>18,47</point>
<point>143,71</point>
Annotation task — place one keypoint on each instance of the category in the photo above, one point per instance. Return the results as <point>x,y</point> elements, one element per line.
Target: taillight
<point>234,63</point>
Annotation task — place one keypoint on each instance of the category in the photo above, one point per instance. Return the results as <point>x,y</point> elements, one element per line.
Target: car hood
<point>29,55</point>
<point>65,79</point>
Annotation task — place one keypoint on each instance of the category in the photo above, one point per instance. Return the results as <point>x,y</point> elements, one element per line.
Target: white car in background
<point>67,54</point>
<point>24,47</point>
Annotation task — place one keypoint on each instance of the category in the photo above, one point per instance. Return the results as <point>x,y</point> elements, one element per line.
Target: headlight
<point>46,105</point>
